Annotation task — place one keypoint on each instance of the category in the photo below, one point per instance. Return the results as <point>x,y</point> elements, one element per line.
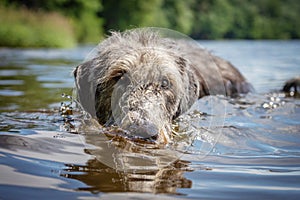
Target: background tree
<point>87,20</point>
<point>121,15</point>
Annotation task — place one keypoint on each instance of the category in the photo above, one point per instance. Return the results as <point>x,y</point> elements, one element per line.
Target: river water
<point>245,148</point>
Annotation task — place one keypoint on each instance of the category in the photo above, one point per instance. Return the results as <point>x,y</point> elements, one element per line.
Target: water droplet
<point>266,105</point>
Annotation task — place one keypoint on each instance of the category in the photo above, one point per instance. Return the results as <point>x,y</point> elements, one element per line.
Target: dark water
<point>245,148</point>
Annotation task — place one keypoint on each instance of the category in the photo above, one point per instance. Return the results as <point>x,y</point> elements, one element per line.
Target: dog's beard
<point>141,110</point>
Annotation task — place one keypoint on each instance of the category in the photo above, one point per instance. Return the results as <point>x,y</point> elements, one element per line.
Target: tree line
<point>209,19</point>
<point>200,19</point>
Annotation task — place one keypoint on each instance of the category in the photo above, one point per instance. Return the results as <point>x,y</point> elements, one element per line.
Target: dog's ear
<point>85,88</point>
<point>74,72</point>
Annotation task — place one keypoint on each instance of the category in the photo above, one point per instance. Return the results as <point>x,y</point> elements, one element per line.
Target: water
<point>251,152</point>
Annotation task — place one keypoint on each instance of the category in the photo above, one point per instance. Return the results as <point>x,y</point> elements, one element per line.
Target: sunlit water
<point>244,149</point>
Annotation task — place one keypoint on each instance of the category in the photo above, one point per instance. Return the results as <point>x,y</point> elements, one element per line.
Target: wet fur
<point>162,79</point>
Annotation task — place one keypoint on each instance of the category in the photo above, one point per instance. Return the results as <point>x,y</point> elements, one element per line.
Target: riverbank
<point>66,23</point>
<point>24,28</point>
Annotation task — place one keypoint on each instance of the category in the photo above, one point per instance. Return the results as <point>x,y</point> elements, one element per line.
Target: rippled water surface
<point>245,148</point>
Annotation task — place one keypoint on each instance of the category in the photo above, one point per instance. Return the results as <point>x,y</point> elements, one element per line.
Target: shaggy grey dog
<point>142,81</point>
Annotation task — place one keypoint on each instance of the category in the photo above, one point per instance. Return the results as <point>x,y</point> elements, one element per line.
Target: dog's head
<point>138,81</point>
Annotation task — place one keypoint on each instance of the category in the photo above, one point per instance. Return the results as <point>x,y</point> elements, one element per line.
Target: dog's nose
<point>140,128</point>
<point>143,130</point>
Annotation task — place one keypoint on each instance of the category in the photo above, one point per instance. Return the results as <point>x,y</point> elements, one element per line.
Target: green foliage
<point>34,29</point>
<point>121,15</point>
<point>179,15</point>
<point>82,13</point>
<point>214,19</point>
<point>88,28</point>
<point>65,22</point>
<point>246,19</point>
<point>277,19</point>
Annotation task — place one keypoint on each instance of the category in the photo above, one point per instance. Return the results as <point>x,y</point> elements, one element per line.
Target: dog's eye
<point>165,83</point>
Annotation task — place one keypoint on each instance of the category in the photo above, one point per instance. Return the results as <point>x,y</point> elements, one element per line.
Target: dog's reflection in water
<point>123,166</point>
<point>100,178</point>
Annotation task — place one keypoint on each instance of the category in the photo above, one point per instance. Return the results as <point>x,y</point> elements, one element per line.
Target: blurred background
<point>256,157</point>
<point>67,23</point>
